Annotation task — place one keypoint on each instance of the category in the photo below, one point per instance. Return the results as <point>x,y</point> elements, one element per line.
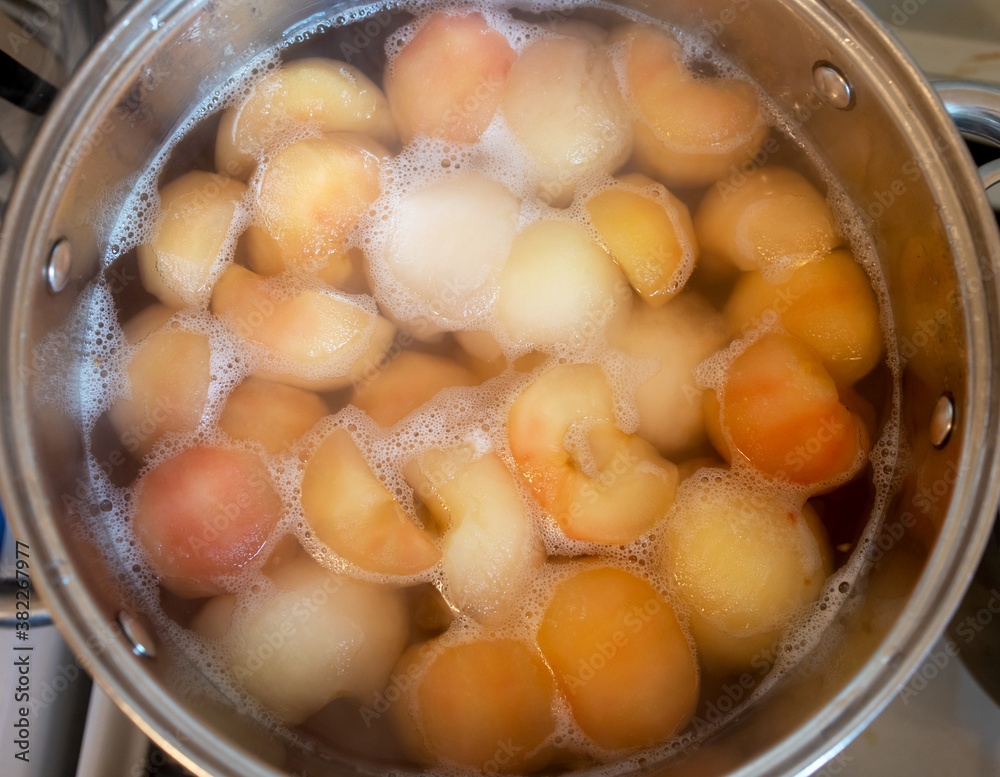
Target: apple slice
<point>563,105</point>
<point>320,341</point>
<point>611,492</point>
<point>689,131</point>
<point>781,410</point>
<point>678,336</point>
<point>313,192</point>
<point>774,222</point>
<point>619,655</point>
<point>324,94</point>
<point>270,413</point>
<point>558,287</point>
<point>744,564</point>
<point>204,514</point>
<point>169,374</point>
<point>828,303</point>
<point>350,510</point>
<point>343,268</point>
<point>489,545</point>
<point>649,233</point>
<point>180,262</point>
<point>410,380</point>
<point>486,704</point>
<point>447,80</point>
<point>319,637</point>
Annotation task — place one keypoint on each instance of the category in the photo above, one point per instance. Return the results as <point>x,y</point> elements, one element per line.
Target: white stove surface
<point>941,724</point>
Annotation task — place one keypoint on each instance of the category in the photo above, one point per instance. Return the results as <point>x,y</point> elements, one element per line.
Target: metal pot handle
<point>975,109</point>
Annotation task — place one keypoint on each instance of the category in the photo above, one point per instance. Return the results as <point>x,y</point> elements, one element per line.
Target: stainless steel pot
<point>850,90</point>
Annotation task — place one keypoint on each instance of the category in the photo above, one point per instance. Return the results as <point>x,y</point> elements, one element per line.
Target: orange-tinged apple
<point>324,94</point>
<point>410,380</point>
<point>180,262</point>
<point>169,375</point>
<point>774,221</point>
<point>612,488</point>
<point>781,410</point>
<point>470,698</point>
<point>745,565</point>
<point>649,233</point>
<point>677,337</point>
<point>619,654</point>
<point>447,80</point>
<point>269,413</point>
<point>203,514</point>
<point>319,341</point>
<point>828,303</point>
<point>688,132</point>
<point>313,193</point>
<point>352,511</point>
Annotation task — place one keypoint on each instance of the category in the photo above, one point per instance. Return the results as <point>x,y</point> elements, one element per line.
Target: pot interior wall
<point>888,151</point>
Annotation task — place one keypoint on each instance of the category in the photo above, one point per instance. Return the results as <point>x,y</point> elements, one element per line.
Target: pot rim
<point>112,65</point>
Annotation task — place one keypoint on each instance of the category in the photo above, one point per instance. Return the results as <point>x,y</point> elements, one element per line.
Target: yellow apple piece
<point>688,131</point>
<point>781,410</point>
<point>558,287</point>
<point>313,192</point>
<point>204,514</point>
<point>350,510</point>
<point>410,380</point>
<point>447,80</point>
<point>828,303</point>
<point>678,337</point>
<point>648,232</point>
<point>169,374</point>
<point>489,546</point>
<point>620,656</point>
<point>744,564</point>
<point>775,221</point>
<point>563,105</point>
<point>486,704</point>
<point>448,241</point>
<point>185,254</point>
<point>609,490</point>
<point>269,413</point>
<point>318,637</point>
<point>319,341</point>
<point>322,94</point>
<point>343,268</point>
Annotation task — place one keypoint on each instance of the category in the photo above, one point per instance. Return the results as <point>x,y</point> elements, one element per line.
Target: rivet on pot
<point>942,420</point>
<point>833,86</point>
<point>57,270</point>
<point>142,642</point>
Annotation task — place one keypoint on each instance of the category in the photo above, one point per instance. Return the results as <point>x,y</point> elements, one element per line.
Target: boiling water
<point>477,414</point>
